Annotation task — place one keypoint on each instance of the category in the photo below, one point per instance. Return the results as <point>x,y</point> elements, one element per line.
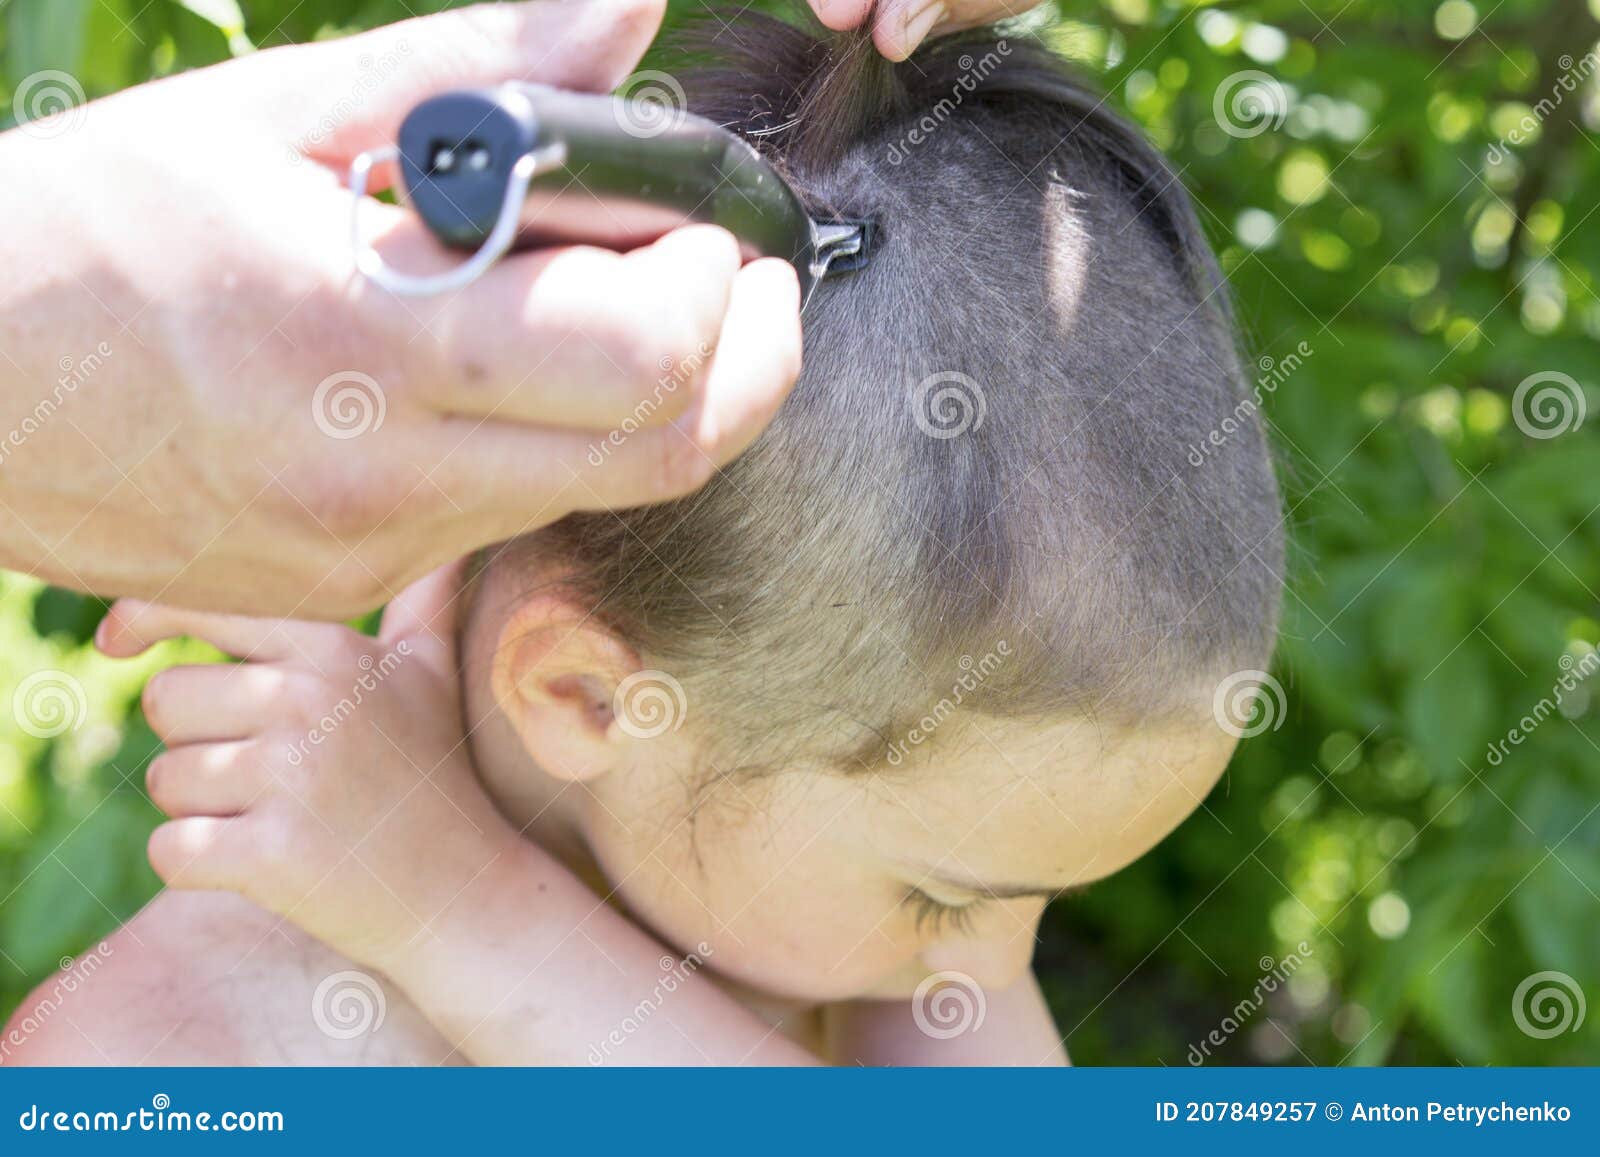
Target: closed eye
<point>930,915</point>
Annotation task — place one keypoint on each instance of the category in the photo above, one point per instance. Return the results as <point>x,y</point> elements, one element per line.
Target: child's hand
<point>326,777</point>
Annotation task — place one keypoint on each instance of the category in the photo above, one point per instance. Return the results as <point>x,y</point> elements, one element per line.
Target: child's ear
<point>555,675</point>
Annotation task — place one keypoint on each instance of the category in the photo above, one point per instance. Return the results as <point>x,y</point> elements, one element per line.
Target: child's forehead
<point>1066,801</point>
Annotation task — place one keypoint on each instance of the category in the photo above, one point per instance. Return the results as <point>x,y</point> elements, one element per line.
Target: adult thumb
<point>427,613</point>
<point>334,99</point>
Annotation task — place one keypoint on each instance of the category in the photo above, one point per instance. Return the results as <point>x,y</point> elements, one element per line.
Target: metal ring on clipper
<point>499,242</point>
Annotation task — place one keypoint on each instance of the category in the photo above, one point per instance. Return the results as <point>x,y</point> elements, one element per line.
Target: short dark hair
<point>988,442</point>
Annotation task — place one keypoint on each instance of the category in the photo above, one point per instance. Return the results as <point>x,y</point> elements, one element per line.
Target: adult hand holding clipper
<point>209,406</point>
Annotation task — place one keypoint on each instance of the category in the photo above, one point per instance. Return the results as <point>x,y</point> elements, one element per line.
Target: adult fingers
<point>585,338</point>
<point>756,363</point>
<point>496,470</point>
<point>840,15</point>
<point>899,27</point>
<point>902,25</point>
<point>589,45</point>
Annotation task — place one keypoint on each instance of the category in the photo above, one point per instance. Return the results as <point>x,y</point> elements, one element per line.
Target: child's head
<point>958,616</point>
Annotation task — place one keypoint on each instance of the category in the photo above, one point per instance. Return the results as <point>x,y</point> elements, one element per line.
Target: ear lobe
<point>556,670</point>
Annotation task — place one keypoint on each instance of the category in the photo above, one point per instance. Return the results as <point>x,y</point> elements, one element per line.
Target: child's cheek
<point>803,922</point>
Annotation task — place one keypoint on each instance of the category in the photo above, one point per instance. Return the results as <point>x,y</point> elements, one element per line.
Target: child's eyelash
<point>934,916</point>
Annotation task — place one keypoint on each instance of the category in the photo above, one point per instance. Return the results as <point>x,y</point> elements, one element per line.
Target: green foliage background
<point>1445,561</point>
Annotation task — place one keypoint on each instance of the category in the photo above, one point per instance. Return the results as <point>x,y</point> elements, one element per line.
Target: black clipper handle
<point>614,174</point>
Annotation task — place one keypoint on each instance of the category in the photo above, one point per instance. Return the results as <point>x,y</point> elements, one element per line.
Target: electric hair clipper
<point>493,170</point>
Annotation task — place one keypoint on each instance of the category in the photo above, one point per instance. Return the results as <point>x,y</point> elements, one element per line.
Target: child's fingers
<point>212,703</point>
<point>207,779</point>
<point>425,613</point>
<point>202,852</point>
<point>131,627</point>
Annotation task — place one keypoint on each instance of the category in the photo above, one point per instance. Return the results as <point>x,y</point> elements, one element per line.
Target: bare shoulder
<point>207,978</point>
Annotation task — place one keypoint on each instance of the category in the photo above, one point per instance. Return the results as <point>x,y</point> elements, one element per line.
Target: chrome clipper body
<point>492,170</point>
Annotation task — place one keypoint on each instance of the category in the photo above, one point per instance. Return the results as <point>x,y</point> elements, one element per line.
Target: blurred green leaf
<point>1449,712</point>
<point>226,17</point>
<point>68,614</point>
<point>76,881</point>
<point>1555,911</point>
<point>43,35</point>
